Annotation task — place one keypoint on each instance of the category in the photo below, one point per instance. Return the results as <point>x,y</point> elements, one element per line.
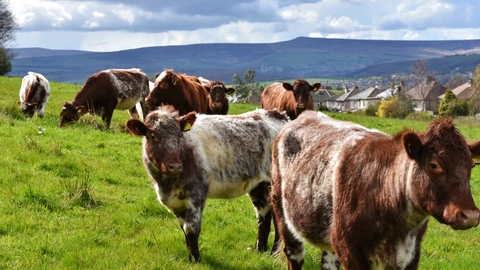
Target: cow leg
<point>190,221</point>
<point>330,261</point>
<point>293,248</point>
<point>260,200</point>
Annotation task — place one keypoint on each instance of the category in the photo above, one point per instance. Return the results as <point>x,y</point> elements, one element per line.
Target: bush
<point>420,116</point>
<point>372,109</point>
<point>396,107</point>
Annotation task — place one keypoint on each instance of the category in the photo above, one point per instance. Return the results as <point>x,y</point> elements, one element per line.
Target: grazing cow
<point>34,94</point>
<point>365,197</point>
<point>183,92</point>
<point>294,99</point>
<point>195,156</point>
<point>106,91</point>
<point>217,99</point>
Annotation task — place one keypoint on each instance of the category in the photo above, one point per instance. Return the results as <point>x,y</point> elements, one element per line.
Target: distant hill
<point>300,57</point>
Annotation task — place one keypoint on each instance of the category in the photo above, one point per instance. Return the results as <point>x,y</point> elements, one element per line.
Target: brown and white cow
<point>184,92</point>
<point>106,91</point>
<point>294,99</point>
<point>365,197</point>
<point>194,157</point>
<point>34,94</point>
<point>217,98</point>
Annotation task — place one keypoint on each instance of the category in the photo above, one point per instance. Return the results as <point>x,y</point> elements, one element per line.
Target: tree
<point>420,75</point>
<point>446,105</point>
<point>455,81</point>
<point>474,103</point>
<point>8,25</point>
<point>246,87</point>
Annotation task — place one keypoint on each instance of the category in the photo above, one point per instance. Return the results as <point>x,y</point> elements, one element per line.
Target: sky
<point>110,25</point>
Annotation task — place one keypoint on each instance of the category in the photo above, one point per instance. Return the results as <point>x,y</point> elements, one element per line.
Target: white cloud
<point>97,24</point>
<point>126,15</point>
<point>97,14</point>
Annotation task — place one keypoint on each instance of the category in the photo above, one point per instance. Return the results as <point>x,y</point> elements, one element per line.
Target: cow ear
<point>230,91</point>
<point>136,127</point>
<point>81,109</point>
<point>156,75</point>
<point>174,79</point>
<point>187,121</point>
<point>316,86</point>
<point>287,86</point>
<point>413,145</point>
<point>475,149</point>
<point>208,88</point>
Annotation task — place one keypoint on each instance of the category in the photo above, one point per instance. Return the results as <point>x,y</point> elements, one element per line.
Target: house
<point>464,91</point>
<point>360,101</point>
<point>425,95</point>
<point>320,97</point>
<point>340,102</point>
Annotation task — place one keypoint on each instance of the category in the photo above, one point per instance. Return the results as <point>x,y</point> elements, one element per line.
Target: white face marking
<point>161,76</point>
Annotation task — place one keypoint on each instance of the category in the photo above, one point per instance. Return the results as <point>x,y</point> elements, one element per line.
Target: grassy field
<point>79,198</point>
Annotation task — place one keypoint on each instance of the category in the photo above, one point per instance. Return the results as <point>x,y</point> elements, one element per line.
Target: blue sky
<point>120,25</point>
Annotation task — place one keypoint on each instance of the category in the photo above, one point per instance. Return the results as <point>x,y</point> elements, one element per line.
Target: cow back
<point>184,92</point>
<point>235,149</point>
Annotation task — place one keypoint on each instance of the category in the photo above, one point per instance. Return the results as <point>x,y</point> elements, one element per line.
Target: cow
<point>294,99</point>
<point>106,91</point>
<point>34,94</point>
<point>365,197</point>
<point>217,98</point>
<point>196,156</point>
<point>184,92</point>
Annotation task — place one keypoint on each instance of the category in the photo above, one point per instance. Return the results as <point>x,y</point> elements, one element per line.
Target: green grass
<point>79,198</point>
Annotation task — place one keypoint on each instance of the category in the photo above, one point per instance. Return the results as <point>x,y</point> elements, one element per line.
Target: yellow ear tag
<point>187,127</point>
<point>79,110</point>
<point>314,89</point>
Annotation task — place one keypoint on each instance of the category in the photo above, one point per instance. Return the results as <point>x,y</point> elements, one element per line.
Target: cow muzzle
<point>172,169</point>
<point>466,219</point>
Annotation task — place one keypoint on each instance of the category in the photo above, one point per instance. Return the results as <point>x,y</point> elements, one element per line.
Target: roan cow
<point>294,99</point>
<point>194,157</point>
<point>106,91</point>
<point>184,92</point>
<point>365,197</point>
<point>34,94</point>
<point>217,98</point>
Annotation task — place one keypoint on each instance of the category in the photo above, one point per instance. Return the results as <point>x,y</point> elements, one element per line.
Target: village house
<point>425,95</point>
<point>320,97</point>
<point>360,101</point>
<point>340,102</point>
<point>464,91</point>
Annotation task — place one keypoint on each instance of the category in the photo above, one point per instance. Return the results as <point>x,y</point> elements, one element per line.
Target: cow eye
<point>433,165</point>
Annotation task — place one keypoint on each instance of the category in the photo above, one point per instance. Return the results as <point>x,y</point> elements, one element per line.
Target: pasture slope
<point>79,198</point>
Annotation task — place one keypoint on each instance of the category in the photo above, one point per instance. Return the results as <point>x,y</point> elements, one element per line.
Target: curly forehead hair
<point>444,132</point>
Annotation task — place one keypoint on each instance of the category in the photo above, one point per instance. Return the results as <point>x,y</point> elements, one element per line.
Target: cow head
<point>164,82</point>
<point>440,184</point>
<point>301,91</point>
<point>28,108</point>
<point>162,132</point>
<point>70,114</point>
<point>218,94</point>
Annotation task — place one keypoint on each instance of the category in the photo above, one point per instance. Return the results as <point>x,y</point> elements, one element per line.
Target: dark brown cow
<point>183,92</point>
<point>221,156</point>
<point>34,94</point>
<point>217,98</point>
<point>106,91</point>
<point>365,197</point>
<point>294,99</point>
